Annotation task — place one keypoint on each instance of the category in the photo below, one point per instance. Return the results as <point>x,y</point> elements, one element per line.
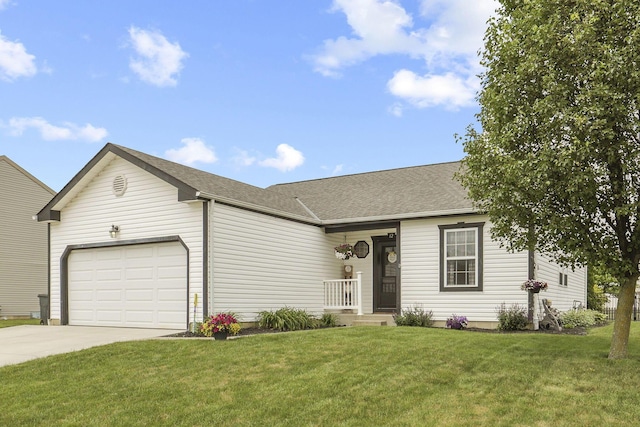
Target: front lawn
<point>396,376</point>
<point>17,322</point>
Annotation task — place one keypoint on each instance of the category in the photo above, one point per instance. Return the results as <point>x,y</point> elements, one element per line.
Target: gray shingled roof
<point>421,190</point>
<point>430,189</point>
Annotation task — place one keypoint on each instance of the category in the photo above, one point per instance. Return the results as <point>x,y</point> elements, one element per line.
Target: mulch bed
<point>564,331</point>
<point>258,331</point>
<point>243,332</point>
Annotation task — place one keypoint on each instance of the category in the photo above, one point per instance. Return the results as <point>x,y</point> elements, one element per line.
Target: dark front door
<point>385,274</point>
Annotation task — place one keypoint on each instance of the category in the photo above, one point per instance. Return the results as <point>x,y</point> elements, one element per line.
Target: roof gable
<point>35,180</point>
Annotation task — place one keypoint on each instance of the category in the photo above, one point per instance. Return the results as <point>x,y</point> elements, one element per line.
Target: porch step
<point>369,323</point>
<point>366,320</point>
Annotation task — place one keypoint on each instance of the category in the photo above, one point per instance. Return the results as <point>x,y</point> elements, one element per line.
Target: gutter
<point>317,221</point>
<point>396,217</point>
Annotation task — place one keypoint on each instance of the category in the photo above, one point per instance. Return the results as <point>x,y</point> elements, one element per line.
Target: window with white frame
<point>461,257</point>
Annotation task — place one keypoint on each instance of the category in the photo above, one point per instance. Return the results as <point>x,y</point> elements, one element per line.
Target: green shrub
<point>286,319</point>
<point>596,298</point>
<point>513,318</point>
<point>577,318</point>
<point>414,316</point>
<point>329,320</point>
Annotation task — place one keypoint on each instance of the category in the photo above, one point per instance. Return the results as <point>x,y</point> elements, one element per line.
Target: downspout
<point>48,272</point>
<point>205,260</point>
<point>399,278</point>
<point>531,273</point>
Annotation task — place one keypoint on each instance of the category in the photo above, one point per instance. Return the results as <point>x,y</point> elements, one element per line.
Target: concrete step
<point>377,319</point>
<point>369,323</point>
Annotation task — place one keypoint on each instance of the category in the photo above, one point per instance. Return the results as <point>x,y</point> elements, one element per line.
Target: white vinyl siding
<point>148,209</point>
<point>23,241</point>
<point>562,297</point>
<point>502,274</point>
<point>261,262</point>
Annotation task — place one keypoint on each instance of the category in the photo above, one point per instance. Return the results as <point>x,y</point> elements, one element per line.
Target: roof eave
<point>404,216</point>
<point>259,208</point>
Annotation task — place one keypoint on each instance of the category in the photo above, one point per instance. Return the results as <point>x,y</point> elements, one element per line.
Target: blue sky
<point>261,91</point>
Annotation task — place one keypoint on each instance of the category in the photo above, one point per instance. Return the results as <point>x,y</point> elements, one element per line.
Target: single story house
<point>139,241</point>
<point>23,241</point>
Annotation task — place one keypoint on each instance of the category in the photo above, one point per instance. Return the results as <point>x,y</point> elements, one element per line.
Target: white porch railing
<point>344,294</point>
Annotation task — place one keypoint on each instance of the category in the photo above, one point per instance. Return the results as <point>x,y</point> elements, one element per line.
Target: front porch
<point>343,297</point>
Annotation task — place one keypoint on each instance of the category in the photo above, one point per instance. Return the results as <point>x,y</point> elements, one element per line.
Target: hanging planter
<point>534,286</point>
<point>344,251</point>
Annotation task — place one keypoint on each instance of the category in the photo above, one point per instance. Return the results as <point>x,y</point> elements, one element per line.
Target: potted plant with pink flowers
<point>344,251</point>
<point>534,286</point>
<point>220,325</point>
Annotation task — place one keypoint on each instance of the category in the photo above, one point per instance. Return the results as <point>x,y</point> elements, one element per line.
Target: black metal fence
<point>612,303</point>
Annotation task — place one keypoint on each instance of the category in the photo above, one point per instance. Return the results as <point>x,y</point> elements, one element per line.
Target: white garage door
<point>138,286</point>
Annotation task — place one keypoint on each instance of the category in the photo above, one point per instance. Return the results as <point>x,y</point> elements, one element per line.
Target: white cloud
<point>396,109</point>
<point>337,170</point>
<point>447,43</point>
<point>193,151</point>
<point>449,90</point>
<point>4,3</point>
<point>380,27</point>
<point>15,61</point>
<point>158,61</point>
<point>288,159</point>
<point>69,131</point>
<point>243,158</point>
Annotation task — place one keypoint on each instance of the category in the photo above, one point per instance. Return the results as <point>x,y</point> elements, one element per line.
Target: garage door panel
<point>106,255</point>
<point>83,315</point>
<point>141,251</point>
<point>85,275</point>
<point>143,295</point>
<point>168,295</point>
<point>169,272</point>
<point>140,317</point>
<point>129,286</point>
<point>112,316</point>
<point>105,274</point>
<point>136,273</point>
<point>109,295</point>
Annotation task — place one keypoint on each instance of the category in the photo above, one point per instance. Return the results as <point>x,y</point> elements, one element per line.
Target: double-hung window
<point>461,257</point>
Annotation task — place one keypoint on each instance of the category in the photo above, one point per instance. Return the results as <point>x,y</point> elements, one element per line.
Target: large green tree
<point>556,163</point>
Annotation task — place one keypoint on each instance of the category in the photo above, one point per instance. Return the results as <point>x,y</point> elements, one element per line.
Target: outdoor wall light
<point>115,229</point>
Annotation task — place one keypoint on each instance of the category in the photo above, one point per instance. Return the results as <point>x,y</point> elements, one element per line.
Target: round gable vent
<point>119,185</point>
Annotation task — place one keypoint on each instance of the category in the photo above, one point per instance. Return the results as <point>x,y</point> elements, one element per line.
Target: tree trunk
<point>622,325</point>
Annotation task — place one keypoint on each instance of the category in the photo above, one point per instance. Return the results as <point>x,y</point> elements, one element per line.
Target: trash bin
<point>44,308</point>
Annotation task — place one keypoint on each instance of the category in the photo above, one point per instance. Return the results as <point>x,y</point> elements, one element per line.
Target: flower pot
<point>220,335</point>
<point>534,291</point>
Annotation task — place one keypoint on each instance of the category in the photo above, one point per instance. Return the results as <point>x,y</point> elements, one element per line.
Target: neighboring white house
<point>134,239</point>
<point>23,247</point>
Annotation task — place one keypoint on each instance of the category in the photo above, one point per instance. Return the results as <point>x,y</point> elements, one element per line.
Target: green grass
<point>398,376</point>
<point>17,322</point>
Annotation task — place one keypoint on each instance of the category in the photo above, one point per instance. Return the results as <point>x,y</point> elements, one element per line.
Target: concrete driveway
<point>21,343</point>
